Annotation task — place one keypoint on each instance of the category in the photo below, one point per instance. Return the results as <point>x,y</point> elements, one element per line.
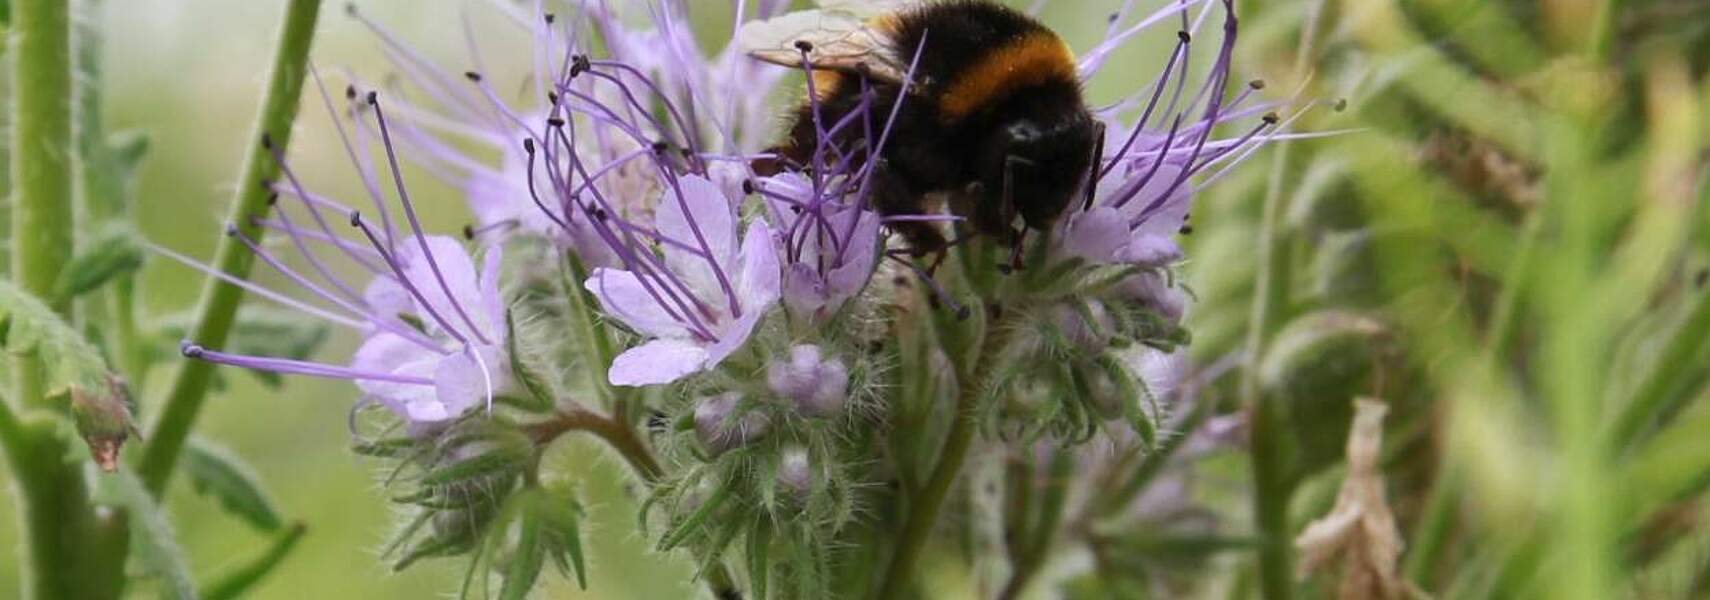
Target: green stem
<point>41,163</point>
<point>622,438</point>
<point>1268,445</point>
<point>925,506</point>
<point>219,303</point>
<point>1426,544</point>
<point>1660,393</point>
<point>54,500</point>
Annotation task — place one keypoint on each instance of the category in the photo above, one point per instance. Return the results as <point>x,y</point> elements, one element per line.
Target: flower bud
<point>719,432</point>
<point>1152,291</point>
<point>103,420</point>
<point>816,385</point>
<point>1088,326</point>
<point>795,472</point>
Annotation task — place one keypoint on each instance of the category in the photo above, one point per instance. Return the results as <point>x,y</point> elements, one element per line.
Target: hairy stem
<point>924,507</point>
<point>219,304</point>
<point>54,501</point>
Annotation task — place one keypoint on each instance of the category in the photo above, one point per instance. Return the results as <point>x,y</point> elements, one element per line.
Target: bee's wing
<point>839,41</point>
<point>867,9</point>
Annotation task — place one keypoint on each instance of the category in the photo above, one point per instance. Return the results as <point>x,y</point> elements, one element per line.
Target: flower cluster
<point>787,366</point>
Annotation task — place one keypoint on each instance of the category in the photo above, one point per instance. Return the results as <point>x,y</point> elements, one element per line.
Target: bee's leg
<point>1002,222</point>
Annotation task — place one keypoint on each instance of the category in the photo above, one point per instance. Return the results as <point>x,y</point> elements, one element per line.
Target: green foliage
<point>217,473</point>
<point>153,541</point>
<point>237,580</point>
<point>114,251</point>
<point>29,327</point>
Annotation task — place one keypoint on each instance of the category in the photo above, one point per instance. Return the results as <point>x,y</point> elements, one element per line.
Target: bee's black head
<point>1036,165</point>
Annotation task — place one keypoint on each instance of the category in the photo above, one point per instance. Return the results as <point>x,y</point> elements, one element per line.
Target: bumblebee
<point>991,114</point>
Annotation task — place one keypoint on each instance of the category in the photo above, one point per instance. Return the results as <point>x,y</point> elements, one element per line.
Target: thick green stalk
<point>1271,483</point>
<point>219,304</point>
<point>54,501</point>
<point>924,507</point>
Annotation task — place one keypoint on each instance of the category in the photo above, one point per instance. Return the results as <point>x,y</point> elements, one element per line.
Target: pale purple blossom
<point>1160,148</point>
<point>433,321</point>
<point>830,248</point>
<point>703,301</point>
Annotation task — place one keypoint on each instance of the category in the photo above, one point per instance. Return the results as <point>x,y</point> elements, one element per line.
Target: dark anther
<point>472,76</point>
<point>469,232</point>
<point>550,18</point>
<point>231,230</point>
<point>267,141</point>
<point>1257,84</point>
<point>528,145</point>
<point>578,64</point>
<point>600,213</point>
<point>1187,230</point>
<point>1113,17</point>
<point>796,209</point>
<point>1184,36</point>
<point>355,218</point>
<point>804,45</point>
<point>660,147</point>
<point>273,199</point>
<point>1341,104</point>
<point>266,184</point>
<point>552,98</point>
<point>350,92</point>
<point>555,121</point>
<point>747,187</point>
<point>373,98</point>
<point>1272,118</point>
<point>189,350</point>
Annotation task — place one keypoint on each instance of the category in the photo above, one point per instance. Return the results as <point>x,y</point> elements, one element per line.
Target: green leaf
<point>114,252</point>
<point>759,563</point>
<point>527,556</point>
<point>239,579</point>
<point>27,325</point>
<point>531,381</point>
<point>220,474</point>
<point>561,516</point>
<point>152,539</point>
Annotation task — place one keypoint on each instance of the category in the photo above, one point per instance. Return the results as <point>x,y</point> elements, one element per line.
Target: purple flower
<point>830,247</point>
<point>716,103</point>
<point>817,385</point>
<point>702,301</point>
<point>1160,147</point>
<point>433,323</point>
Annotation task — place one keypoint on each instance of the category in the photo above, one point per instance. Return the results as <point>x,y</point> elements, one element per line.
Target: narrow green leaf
<point>218,473</point>
<point>237,580</point>
<point>681,532</point>
<point>537,388</point>
<point>113,252</point>
<point>759,561</point>
<point>152,539</point>
<point>527,555</point>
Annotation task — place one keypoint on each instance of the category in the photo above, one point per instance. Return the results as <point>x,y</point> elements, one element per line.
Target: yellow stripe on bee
<point>825,83</point>
<point>1031,60</point>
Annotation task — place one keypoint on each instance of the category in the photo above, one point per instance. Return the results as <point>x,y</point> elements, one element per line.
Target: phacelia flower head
<point>718,105</point>
<point>431,315</point>
<point>1160,147</point>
